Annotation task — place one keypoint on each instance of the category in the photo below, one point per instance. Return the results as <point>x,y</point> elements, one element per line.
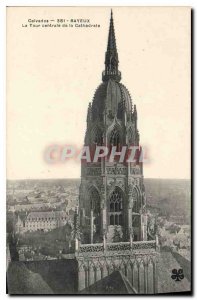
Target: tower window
<point>95,205</point>
<point>116,207</point>
<point>115,138</point>
<point>98,138</point>
<point>112,220</point>
<point>136,204</point>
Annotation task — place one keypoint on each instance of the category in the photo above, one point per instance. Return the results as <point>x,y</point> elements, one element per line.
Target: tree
<point>174,228</point>
<point>51,251</point>
<point>28,255</point>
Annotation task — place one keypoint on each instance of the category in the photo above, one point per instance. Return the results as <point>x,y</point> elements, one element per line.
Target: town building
<point>41,220</point>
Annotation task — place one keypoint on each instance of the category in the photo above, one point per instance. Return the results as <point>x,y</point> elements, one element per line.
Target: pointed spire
<point>111,38</point>
<point>111,55</point>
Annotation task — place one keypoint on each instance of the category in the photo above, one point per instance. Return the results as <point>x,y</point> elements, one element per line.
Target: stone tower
<point>112,199</point>
<point>112,205</point>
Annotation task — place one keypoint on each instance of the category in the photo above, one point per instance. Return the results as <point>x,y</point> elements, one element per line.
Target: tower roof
<point>111,55</point>
<point>111,37</point>
<point>113,96</point>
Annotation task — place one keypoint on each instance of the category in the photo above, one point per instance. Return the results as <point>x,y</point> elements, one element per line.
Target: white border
<point>99,3</point>
<point>3,4</point>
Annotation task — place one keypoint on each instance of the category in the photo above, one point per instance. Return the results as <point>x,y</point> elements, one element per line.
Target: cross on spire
<point>111,55</point>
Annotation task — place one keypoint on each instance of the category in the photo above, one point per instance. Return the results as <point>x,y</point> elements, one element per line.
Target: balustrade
<point>122,246</point>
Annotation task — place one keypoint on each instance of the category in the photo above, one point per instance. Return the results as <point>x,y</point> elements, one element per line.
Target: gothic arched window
<point>98,137</point>
<point>95,204</point>
<point>136,202</point>
<point>115,138</point>
<point>116,207</point>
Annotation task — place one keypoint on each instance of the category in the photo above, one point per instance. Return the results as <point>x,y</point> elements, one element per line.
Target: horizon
<point>78,178</point>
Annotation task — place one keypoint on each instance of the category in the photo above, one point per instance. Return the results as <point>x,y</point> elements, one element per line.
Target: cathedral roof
<point>115,283</point>
<point>58,276</point>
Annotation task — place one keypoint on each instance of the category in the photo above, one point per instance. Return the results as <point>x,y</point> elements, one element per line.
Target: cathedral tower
<point>112,199</point>
<point>112,204</point>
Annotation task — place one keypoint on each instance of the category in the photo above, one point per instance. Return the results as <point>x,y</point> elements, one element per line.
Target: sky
<point>52,74</point>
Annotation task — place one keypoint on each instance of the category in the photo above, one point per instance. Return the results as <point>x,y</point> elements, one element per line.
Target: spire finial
<point>111,55</point>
